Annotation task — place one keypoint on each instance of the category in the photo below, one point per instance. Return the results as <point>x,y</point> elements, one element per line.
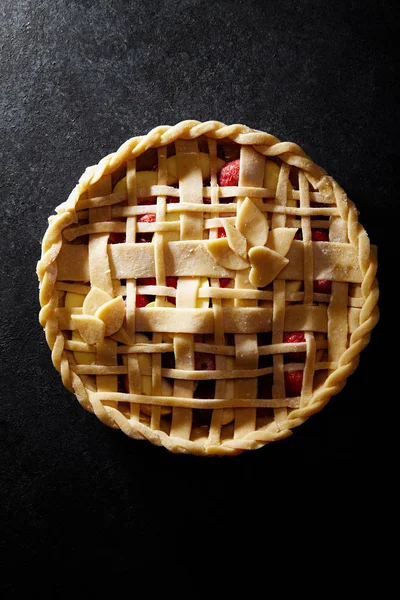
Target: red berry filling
<point>172,282</point>
<point>221,232</point>
<point>228,152</point>
<point>146,281</point>
<point>320,235</point>
<point>293,383</point>
<point>147,218</point>
<point>204,361</point>
<point>224,282</point>
<point>264,386</point>
<point>229,174</point>
<point>204,390</point>
<point>168,360</point>
<point>295,337</point>
<point>116,238</point>
<point>142,301</point>
<point>144,238</point>
<point>322,286</point>
<point>317,235</point>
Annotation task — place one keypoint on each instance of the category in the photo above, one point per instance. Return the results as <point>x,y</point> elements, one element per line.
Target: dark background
<point>78,79</point>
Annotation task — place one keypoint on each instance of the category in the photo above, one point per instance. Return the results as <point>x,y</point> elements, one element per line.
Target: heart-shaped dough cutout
<point>265,265</point>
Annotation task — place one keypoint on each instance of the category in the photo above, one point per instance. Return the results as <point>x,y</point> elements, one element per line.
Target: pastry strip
<point>333,261</point>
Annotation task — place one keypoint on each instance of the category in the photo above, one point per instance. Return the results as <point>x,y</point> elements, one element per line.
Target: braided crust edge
<point>267,145</point>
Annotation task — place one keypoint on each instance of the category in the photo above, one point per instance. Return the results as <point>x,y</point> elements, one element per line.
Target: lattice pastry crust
<point>207,287</point>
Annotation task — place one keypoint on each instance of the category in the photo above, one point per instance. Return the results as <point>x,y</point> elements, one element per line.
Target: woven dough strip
<point>268,146</point>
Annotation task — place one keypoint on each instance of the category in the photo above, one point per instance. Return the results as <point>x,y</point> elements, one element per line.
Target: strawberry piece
<point>229,174</point>
<point>264,386</point>
<point>228,152</point>
<point>322,286</point>
<point>141,301</point>
<point>146,201</point>
<point>172,200</point>
<point>144,238</point>
<point>168,360</point>
<point>204,361</point>
<point>116,238</point>
<point>224,282</point>
<point>221,232</point>
<point>201,416</point>
<point>294,337</point>
<point>293,383</point>
<point>146,281</point>
<point>147,218</point>
<point>264,338</point>
<point>265,360</point>
<point>205,390</point>
<point>172,282</point>
<point>319,235</point>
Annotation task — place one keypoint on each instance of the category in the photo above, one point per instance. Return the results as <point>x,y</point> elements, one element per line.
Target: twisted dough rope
<point>267,145</point>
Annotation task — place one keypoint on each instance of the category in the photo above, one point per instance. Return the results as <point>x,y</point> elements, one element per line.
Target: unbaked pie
<point>207,287</point>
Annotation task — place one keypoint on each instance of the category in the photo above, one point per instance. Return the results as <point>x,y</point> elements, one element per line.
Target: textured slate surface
<point>77,79</point>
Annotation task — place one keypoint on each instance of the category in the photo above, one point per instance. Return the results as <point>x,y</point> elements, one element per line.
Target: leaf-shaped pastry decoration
<point>281,238</point>
<point>252,223</point>
<point>95,298</point>
<point>265,265</point>
<point>112,313</point>
<point>225,256</point>
<point>91,328</point>
<point>237,242</point>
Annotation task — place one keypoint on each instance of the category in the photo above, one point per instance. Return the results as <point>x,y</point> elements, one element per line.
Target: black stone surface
<point>78,79</point>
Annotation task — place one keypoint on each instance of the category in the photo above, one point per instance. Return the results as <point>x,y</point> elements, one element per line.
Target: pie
<point>207,288</point>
